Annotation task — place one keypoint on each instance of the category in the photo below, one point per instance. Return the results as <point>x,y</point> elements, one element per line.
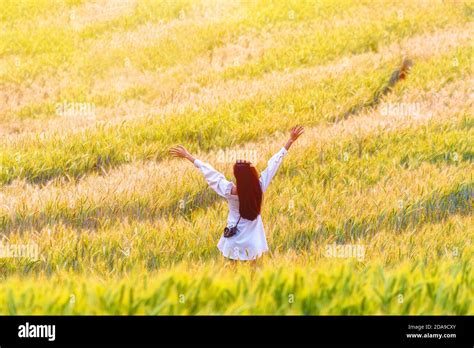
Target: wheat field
<point>370,212</point>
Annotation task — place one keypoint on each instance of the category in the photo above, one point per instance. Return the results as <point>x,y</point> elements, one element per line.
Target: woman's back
<point>249,241</point>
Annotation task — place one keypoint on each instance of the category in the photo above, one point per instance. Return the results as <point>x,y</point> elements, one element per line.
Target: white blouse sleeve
<point>216,180</point>
<point>273,164</point>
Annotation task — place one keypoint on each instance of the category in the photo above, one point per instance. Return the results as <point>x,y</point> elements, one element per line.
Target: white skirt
<point>248,244</point>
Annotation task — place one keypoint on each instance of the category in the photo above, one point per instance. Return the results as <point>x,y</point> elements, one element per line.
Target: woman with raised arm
<point>244,237</point>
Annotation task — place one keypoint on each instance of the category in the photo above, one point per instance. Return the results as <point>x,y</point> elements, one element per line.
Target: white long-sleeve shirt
<point>250,241</point>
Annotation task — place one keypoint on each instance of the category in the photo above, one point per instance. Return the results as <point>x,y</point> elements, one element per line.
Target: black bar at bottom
<point>225,330</point>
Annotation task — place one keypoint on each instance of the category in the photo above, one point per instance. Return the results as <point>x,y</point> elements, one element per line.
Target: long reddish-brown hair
<point>248,189</point>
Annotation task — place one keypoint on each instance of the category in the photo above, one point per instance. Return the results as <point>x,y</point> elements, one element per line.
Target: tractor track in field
<point>129,179</point>
<point>420,47</point>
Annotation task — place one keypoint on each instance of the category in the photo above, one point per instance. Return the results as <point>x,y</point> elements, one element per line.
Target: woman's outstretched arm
<point>295,134</point>
<point>215,179</point>
<point>275,161</point>
<point>180,151</point>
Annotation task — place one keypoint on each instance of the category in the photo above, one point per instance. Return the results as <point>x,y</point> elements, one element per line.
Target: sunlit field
<point>370,213</point>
